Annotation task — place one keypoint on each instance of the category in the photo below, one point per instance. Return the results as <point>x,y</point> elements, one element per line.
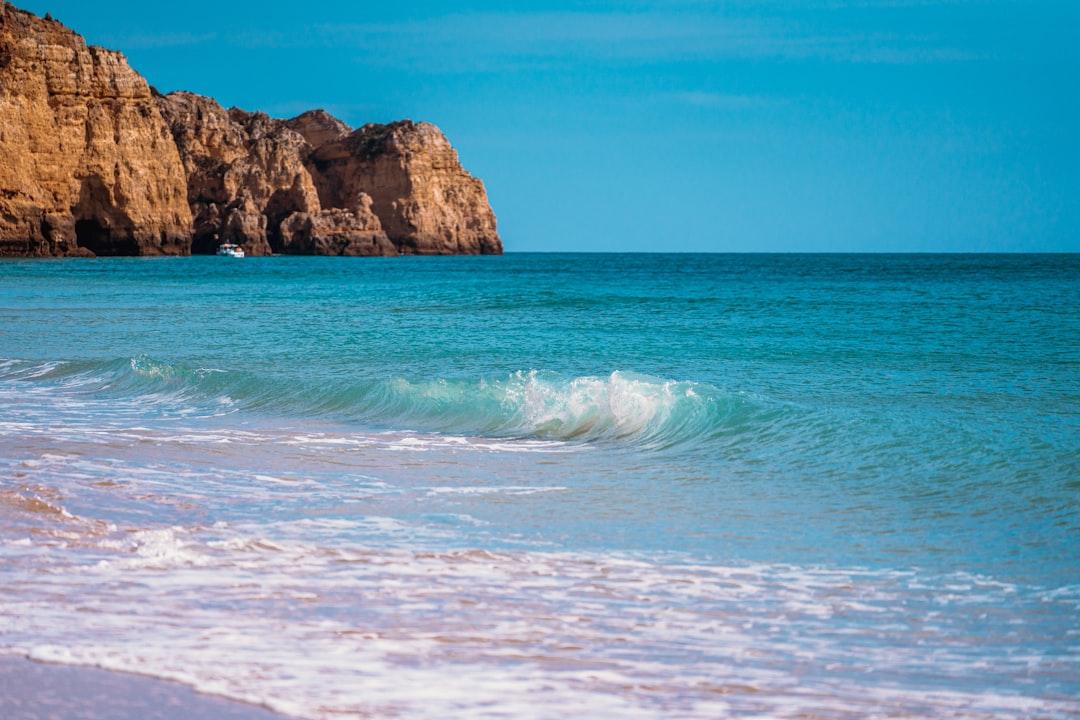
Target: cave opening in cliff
<point>95,237</point>
<point>282,204</point>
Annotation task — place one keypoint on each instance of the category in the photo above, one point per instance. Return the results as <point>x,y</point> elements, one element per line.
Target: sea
<point>546,486</point>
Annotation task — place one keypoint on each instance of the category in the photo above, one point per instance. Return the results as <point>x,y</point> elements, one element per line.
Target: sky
<point>687,126</point>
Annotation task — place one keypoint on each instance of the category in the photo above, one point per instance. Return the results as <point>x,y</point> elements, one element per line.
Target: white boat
<point>230,250</point>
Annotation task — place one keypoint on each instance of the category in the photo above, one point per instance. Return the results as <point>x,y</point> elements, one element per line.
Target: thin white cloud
<point>144,40</point>
<point>721,101</point>
<point>505,40</point>
<point>486,39</point>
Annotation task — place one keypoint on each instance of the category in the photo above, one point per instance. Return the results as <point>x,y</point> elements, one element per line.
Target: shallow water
<point>546,485</point>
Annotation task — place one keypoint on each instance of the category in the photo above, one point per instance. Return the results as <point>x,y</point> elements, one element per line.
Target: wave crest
<point>623,407</point>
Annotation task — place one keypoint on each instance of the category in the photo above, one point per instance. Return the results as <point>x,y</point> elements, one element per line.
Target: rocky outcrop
<point>87,164</point>
<point>245,173</point>
<point>427,203</point>
<point>93,161</point>
<point>336,232</point>
<point>311,170</point>
<point>244,225</point>
<point>318,127</point>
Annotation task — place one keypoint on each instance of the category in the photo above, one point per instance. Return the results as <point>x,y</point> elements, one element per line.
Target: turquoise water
<point>541,485</point>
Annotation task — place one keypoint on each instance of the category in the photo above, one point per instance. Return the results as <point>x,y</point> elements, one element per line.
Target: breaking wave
<point>622,407</point>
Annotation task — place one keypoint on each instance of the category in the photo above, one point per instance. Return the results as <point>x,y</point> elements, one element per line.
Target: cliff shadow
<point>100,226</point>
<point>281,204</point>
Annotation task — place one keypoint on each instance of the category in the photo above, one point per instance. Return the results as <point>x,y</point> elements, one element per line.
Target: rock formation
<point>87,165</point>
<point>428,203</point>
<point>318,127</point>
<point>245,172</point>
<point>239,162</point>
<point>93,161</point>
<point>336,232</point>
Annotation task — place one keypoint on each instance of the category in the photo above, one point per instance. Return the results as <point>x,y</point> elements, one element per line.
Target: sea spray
<point>620,407</point>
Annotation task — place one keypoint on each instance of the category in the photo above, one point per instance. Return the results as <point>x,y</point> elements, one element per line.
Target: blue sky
<point>750,125</point>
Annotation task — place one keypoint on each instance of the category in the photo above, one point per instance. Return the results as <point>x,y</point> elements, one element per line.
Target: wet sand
<point>36,691</point>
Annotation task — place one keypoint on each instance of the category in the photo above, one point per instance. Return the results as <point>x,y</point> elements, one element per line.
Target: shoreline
<point>31,690</point>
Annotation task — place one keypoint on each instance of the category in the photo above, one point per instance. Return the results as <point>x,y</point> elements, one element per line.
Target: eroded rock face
<point>337,232</point>
<point>92,160</point>
<point>318,127</point>
<point>87,165</point>
<point>244,225</point>
<point>311,170</point>
<point>427,202</point>
<point>245,173</point>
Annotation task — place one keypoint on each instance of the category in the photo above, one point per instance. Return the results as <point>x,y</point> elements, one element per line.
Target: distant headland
<point>94,161</point>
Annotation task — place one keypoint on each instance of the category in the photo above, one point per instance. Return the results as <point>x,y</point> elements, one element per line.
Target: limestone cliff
<point>93,161</point>
<point>336,232</point>
<point>87,165</point>
<point>381,190</point>
<point>428,203</point>
<point>318,127</point>
<point>245,173</point>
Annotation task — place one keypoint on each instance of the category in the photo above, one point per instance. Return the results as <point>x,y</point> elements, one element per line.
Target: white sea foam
<point>621,406</point>
<point>504,490</point>
<point>292,616</point>
<point>41,370</point>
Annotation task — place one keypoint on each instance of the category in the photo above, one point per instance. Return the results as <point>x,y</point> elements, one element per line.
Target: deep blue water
<point>850,483</point>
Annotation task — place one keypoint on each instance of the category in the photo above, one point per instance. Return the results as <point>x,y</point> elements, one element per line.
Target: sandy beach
<point>36,691</point>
